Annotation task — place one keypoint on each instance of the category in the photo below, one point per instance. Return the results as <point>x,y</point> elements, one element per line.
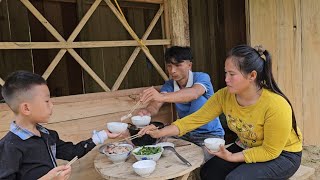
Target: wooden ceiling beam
<point>86,44</point>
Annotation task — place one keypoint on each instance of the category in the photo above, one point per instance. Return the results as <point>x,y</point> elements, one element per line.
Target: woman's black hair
<point>249,59</point>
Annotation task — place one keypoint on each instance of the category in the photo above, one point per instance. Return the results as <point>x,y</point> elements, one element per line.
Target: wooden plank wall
<point>75,117</point>
<point>68,78</point>
<point>310,69</point>
<point>291,33</point>
<point>215,27</point>
<point>14,27</point>
<point>108,62</point>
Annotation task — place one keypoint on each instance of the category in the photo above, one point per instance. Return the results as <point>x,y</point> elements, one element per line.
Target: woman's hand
<point>58,173</point>
<point>146,129</point>
<point>154,132</point>
<point>223,153</point>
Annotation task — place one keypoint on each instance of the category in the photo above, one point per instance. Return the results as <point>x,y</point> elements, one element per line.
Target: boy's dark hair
<point>178,54</point>
<point>17,85</point>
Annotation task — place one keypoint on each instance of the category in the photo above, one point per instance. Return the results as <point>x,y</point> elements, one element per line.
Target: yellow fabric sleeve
<point>210,110</point>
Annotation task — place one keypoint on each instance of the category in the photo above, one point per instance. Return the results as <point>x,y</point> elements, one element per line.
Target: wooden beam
<point>86,44</point>
<point>42,20</point>
<point>87,68</point>
<point>166,19</point>
<point>137,50</point>
<point>138,1</point>
<point>73,53</point>
<point>134,35</point>
<point>71,38</point>
<point>179,22</point>
<point>146,1</point>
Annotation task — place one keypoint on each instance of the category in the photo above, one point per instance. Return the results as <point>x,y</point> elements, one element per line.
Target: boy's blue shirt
<point>184,109</point>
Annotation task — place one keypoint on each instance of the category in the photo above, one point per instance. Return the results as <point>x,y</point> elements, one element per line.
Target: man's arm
<point>152,109</point>
<point>181,96</point>
<point>184,95</point>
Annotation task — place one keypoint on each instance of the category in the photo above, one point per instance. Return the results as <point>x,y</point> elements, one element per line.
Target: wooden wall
<point>17,24</point>
<point>290,30</point>
<point>108,62</point>
<point>12,60</point>
<point>215,27</point>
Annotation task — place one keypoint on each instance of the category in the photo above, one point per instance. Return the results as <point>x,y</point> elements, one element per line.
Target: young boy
<point>29,151</point>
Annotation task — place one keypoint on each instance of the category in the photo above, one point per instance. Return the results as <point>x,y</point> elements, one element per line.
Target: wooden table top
<point>168,167</point>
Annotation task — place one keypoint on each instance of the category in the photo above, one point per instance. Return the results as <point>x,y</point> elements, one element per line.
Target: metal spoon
<point>178,155</point>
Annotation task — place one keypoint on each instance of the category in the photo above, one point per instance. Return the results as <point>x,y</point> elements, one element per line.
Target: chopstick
<point>130,137</point>
<point>133,136</point>
<point>131,111</point>
<point>69,164</point>
<point>135,107</point>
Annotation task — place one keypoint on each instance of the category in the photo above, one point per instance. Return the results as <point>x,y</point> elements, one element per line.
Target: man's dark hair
<point>17,85</point>
<point>178,54</point>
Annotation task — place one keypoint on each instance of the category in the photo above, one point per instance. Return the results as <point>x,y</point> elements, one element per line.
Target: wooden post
<point>179,22</point>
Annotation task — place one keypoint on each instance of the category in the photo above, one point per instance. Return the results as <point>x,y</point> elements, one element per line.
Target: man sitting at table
<point>188,90</point>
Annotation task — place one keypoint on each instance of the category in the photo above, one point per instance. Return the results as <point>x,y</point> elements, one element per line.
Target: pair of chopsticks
<point>130,137</point>
<point>131,111</point>
<point>69,163</point>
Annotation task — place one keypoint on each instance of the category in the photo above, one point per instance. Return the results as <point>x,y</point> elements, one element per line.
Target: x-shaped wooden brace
<point>72,37</point>
<point>138,48</point>
<point>74,34</point>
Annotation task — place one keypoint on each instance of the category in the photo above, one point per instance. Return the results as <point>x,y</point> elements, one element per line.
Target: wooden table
<point>168,167</point>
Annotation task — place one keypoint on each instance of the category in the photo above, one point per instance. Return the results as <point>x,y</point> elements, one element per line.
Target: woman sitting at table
<point>269,142</point>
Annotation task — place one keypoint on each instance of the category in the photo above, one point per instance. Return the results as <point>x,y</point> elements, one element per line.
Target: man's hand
<point>144,112</point>
<point>58,173</point>
<point>151,94</point>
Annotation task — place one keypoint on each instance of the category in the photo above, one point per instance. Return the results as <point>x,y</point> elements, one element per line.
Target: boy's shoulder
<point>10,140</point>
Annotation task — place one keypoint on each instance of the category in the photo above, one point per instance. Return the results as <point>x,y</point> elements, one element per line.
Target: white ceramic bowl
<point>117,127</point>
<point>144,167</point>
<point>140,121</point>
<point>214,143</point>
<point>166,152</point>
<point>154,157</point>
<point>120,157</point>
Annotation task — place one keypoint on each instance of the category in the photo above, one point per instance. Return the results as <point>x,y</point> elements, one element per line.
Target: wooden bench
<point>75,117</point>
<point>303,173</point>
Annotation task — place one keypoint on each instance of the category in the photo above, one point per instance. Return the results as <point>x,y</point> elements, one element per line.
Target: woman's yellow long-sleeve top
<point>264,127</point>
